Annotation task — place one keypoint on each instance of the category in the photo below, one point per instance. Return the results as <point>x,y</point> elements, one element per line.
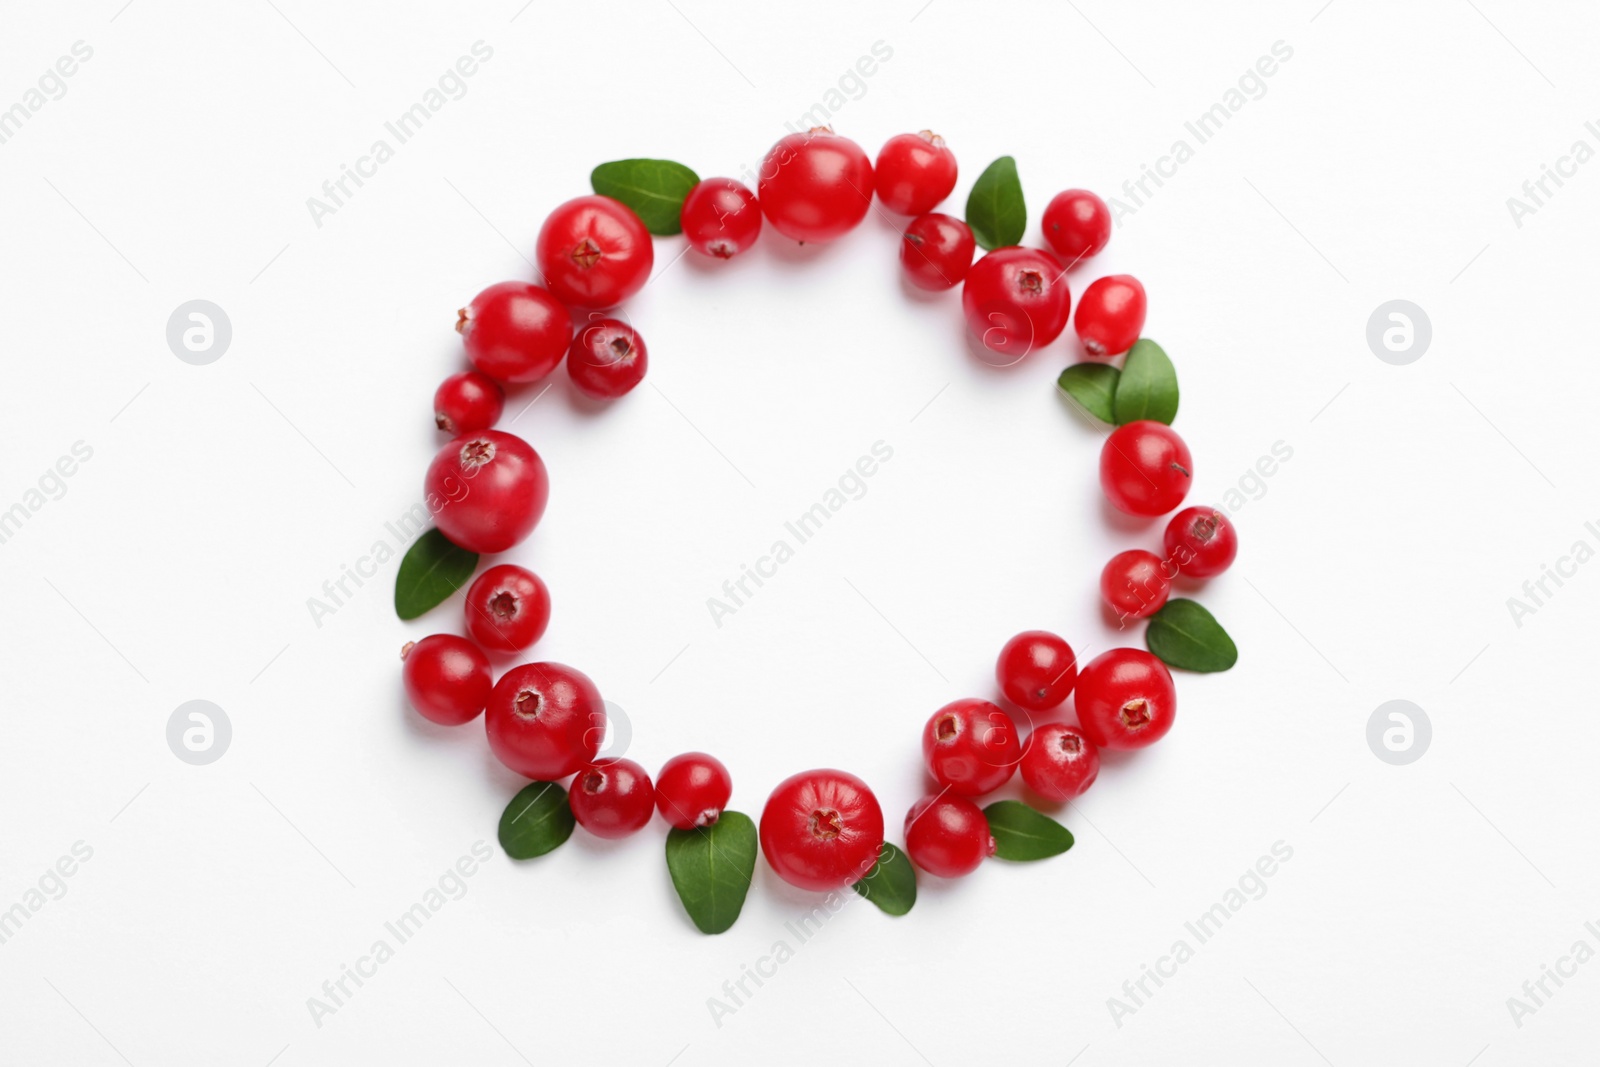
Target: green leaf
<point>995,209</point>
<point>1092,385</point>
<point>1187,636</point>
<point>432,569</point>
<point>711,868</point>
<point>654,188</point>
<point>892,882</point>
<point>1020,833</point>
<point>538,820</point>
<point>1148,388</point>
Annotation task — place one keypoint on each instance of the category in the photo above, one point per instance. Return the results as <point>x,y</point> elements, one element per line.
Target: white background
<point>1375,564</point>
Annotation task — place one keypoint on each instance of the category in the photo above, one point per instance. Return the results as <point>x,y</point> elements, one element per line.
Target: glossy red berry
<point>1110,315</point>
<point>692,790</point>
<point>1135,583</point>
<point>936,251</point>
<point>1060,763</point>
<point>1016,299</point>
<point>508,608</point>
<point>446,677</point>
<point>467,402</point>
<point>821,830</point>
<point>947,835</point>
<point>1145,468</point>
<point>612,798</point>
<point>1200,542</point>
<point>914,172</point>
<point>1077,224</point>
<point>545,720</point>
<point>486,490</point>
<point>607,359</point>
<point>1125,699</point>
<point>1036,670</point>
<point>815,186</point>
<point>594,252</point>
<point>720,217</point>
<point>514,332</point>
<point>971,746</point>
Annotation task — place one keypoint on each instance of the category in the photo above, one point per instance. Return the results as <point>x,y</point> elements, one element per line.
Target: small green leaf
<point>654,188</point>
<point>711,867</point>
<point>892,882</point>
<point>1187,636</point>
<point>995,208</point>
<point>1092,385</point>
<point>538,820</point>
<point>432,569</point>
<point>1148,388</point>
<point>1020,833</point>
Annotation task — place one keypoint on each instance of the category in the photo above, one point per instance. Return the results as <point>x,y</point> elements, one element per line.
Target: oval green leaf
<point>892,882</point>
<point>711,868</point>
<point>1187,636</point>
<point>1020,833</point>
<point>995,208</point>
<point>538,820</point>
<point>1148,388</point>
<point>654,188</point>
<point>1092,385</point>
<point>432,569</point>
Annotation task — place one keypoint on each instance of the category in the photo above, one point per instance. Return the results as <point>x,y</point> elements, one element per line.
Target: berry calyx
<point>1125,699</point>
<point>467,402</point>
<point>821,830</point>
<point>720,217</point>
<point>1135,583</point>
<point>936,251</point>
<point>914,172</point>
<point>947,835</point>
<point>1060,763</point>
<point>1200,542</point>
<point>545,720</point>
<point>514,332</point>
<point>1077,224</point>
<point>446,678</point>
<point>971,746</point>
<point>1036,670</point>
<point>508,608</point>
<point>1015,300</point>
<point>607,359</point>
<point>1110,315</point>
<point>693,790</point>
<point>815,186</point>
<point>1145,468</point>
<point>487,490</point>
<point>594,252</point>
<point>612,798</point>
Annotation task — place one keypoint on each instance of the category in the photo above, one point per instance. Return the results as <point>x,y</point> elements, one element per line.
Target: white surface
<point>1375,566</point>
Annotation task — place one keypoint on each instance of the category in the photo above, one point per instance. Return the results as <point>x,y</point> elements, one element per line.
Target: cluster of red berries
<point>820,829</point>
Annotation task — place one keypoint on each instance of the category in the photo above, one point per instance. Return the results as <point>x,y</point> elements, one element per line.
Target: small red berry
<point>1200,542</point>
<point>446,677</point>
<point>815,186</point>
<point>692,790</point>
<point>545,720</point>
<point>594,252</point>
<point>486,490</point>
<point>1125,699</point>
<point>612,798</point>
<point>914,172</point>
<point>467,402</point>
<point>514,332</point>
<point>1077,224</point>
<point>1036,670</point>
<point>1145,468</point>
<point>720,217</point>
<point>1110,315</point>
<point>936,251</point>
<point>1060,763</point>
<point>1135,583</point>
<point>1016,299</point>
<point>971,746</point>
<point>948,835</point>
<point>607,359</point>
<point>821,830</point>
<point>508,608</point>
